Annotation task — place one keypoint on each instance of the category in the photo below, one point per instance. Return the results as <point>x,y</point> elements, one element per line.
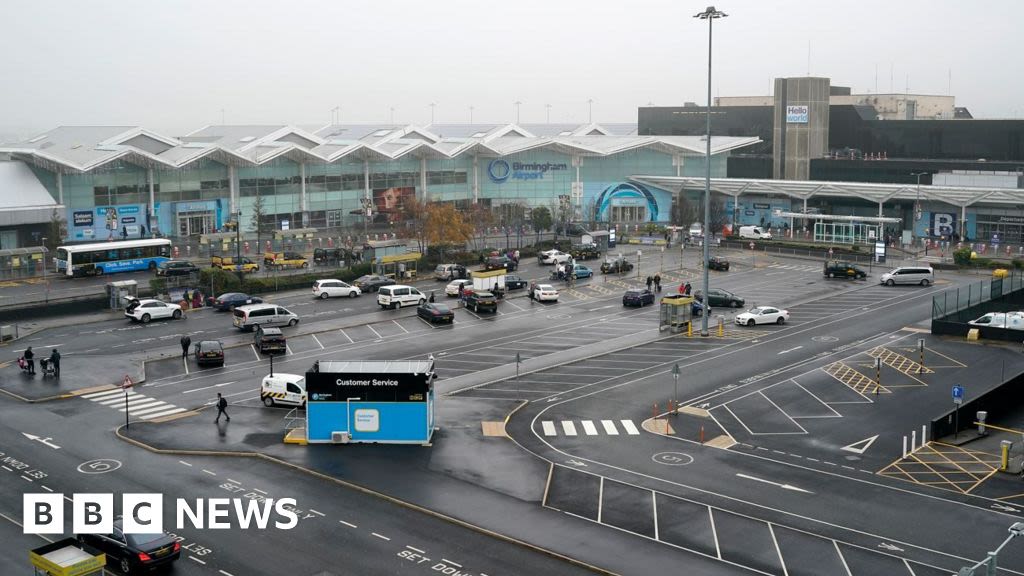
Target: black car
<point>372,282</point>
<point>718,263</point>
<point>133,553</point>
<point>718,297</point>
<point>638,297</point>
<point>229,300</point>
<point>838,269</point>
<point>499,263</point>
<point>485,300</point>
<point>585,252</point>
<point>270,340</point>
<point>176,268</point>
<point>513,282</point>
<point>435,312</point>
<point>617,266</point>
<point>209,353</point>
<point>329,256</point>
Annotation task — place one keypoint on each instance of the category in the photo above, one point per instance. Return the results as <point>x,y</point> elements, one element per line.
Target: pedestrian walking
<point>222,404</point>
<point>29,355</point>
<point>533,286</point>
<point>124,232</point>
<point>55,362</point>
<point>431,296</point>
<point>142,230</point>
<point>650,281</point>
<point>462,292</point>
<point>657,282</point>
<point>185,343</point>
<point>686,289</point>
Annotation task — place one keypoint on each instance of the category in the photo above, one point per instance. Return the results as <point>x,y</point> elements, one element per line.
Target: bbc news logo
<point>144,513</point>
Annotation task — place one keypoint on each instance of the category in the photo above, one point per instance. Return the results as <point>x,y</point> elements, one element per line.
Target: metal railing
<point>954,300</point>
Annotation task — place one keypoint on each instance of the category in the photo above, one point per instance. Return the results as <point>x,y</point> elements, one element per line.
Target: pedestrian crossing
<point>590,427</point>
<point>139,405</point>
<point>797,267</point>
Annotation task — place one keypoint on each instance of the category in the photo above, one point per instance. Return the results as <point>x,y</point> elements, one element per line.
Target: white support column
<point>735,213</point>
<point>60,187</point>
<point>476,178</point>
<point>577,188</point>
<point>963,221</point>
<point>366,179</point>
<point>678,162</point>
<point>423,179</point>
<point>233,190</point>
<point>152,192</point>
<point>879,209</point>
<point>302,195</point>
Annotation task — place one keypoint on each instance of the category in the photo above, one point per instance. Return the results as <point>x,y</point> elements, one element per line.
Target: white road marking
<point>47,488</point>
<point>185,463</point>
<point>568,427</point>
<point>317,512</point>
<point>225,573</point>
<point>350,525</point>
<point>415,549</point>
<point>134,409</point>
<point>600,499</point>
<point>208,387</point>
<point>841,558</point>
<point>205,471</point>
<point>27,478</point>
<point>609,427</point>
<point>714,534</point>
<point>589,428</point>
<point>317,341</point>
<point>654,506</point>
<point>778,551</point>
<point>780,485</point>
<point>197,560</point>
<point>255,352</point>
<point>631,428</point>
<point>379,337</point>
<point>549,428</point>
<point>449,562</point>
<point>148,412</point>
<point>397,324</point>
<point>96,395</point>
<point>235,481</point>
<point>161,414</point>
<point>380,536</point>
<point>350,340</point>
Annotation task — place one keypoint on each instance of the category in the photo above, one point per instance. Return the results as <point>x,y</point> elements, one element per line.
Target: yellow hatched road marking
<point>899,362</point>
<point>945,466</point>
<point>855,380</point>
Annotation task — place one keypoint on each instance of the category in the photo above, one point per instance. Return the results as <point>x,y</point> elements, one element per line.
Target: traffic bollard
<point>689,328</point>
<point>702,434</point>
<point>721,326</point>
<point>1004,454</point>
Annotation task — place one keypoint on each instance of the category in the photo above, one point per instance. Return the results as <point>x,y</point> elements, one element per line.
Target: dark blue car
<point>638,297</point>
<point>231,300</point>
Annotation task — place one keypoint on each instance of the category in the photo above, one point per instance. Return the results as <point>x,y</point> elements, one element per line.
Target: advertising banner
<point>389,203</point>
<point>797,114</point>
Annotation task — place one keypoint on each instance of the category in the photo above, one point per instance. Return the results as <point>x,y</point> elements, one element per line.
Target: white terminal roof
<point>804,189</point>
<point>84,148</point>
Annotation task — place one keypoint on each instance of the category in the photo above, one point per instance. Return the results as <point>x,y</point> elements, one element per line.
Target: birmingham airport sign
<point>144,513</point>
<point>500,170</point>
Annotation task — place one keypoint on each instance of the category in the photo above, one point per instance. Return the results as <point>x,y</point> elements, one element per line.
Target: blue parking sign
<point>958,393</point>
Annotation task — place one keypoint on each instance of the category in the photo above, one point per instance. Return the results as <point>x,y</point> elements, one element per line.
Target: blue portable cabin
<point>382,401</point>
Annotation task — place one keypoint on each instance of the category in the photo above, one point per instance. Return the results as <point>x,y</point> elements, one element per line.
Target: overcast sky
<point>175,65</point>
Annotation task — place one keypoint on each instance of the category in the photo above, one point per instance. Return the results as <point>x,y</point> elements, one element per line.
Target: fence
<point>955,302</point>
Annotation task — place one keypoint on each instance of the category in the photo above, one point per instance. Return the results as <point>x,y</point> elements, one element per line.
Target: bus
<point>108,257</point>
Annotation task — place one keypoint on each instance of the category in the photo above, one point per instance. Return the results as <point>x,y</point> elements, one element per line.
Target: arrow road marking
<point>41,440</point>
<point>1004,508</point>
<point>890,547</point>
<point>790,350</point>
<point>783,486</point>
<point>556,398</point>
<point>861,446</point>
<point>575,462</point>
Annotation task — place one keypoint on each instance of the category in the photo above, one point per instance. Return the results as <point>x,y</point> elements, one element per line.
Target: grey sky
<point>173,65</point>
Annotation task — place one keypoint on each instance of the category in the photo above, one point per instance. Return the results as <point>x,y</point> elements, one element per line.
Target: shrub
<point>962,256</point>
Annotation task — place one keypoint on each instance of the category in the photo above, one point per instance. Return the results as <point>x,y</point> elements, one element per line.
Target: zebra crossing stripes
<point>138,405</point>
<point>590,428</point>
<point>798,267</point>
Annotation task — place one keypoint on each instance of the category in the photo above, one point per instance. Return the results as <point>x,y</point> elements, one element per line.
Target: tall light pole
<point>46,282</point>
<point>335,114</point>
<point>709,14</point>
<point>675,389</point>
<point>917,203</point>
<point>470,114</point>
<point>517,104</point>
<point>590,111</point>
<point>238,248</point>
<point>432,106</point>
<point>548,107</point>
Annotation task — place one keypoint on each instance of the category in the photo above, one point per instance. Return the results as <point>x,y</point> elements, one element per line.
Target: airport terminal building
<point>113,180</point>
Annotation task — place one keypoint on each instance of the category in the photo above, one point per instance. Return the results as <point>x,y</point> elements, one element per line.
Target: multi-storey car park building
<point>106,180</point>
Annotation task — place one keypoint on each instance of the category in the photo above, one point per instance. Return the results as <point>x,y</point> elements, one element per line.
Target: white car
<point>762,315</point>
<point>329,288</point>
<point>149,309</point>
<point>553,257</point>
<point>545,292</point>
<point>452,288</point>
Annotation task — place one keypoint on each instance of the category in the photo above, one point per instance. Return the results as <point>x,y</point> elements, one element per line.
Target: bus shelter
<point>676,313</point>
<point>22,262</point>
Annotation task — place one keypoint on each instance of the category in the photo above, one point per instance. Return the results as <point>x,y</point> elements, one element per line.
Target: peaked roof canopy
<point>85,148</point>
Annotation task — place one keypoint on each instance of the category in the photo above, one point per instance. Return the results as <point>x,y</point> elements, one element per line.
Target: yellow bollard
<point>1004,458</point>
<point>689,328</point>
<point>721,327</point>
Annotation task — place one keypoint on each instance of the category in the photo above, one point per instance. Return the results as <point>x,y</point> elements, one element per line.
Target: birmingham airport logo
<point>144,513</point>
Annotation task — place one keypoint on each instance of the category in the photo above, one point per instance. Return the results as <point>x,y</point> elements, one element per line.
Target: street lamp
<point>709,14</point>
<point>238,247</point>
<point>675,388</point>
<point>46,281</point>
<point>917,204</point>
<point>1016,529</point>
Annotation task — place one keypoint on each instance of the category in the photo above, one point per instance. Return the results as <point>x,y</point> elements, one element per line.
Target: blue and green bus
<point>109,257</point>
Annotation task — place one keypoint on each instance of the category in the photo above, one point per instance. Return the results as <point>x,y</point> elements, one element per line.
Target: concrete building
<point>800,119</point>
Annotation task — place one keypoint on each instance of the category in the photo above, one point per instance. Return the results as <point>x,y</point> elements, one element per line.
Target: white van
<point>754,233</point>
<point>280,388</point>
<point>1008,320</point>
<point>398,295</point>
<point>253,315</point>
<point>923,275</point>
<point>696,229</point>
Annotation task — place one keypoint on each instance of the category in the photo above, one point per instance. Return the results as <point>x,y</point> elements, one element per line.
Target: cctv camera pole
<point>990,561</point>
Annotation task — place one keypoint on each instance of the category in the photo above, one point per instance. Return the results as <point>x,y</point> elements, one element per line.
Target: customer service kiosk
<point>383,401</point>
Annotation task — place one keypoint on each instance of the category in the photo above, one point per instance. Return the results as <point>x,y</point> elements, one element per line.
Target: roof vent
<point>38,138</point>
<point>76,146</point>
<point>479,135</point>
<point>566,133</point>
<point>381,133</point>
<point>247,139</point>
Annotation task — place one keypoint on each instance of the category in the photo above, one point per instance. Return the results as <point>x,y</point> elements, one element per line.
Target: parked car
<point>269,340</point>
<point>549,257</point>
<point>281,388</point>
<point>449,272</point>
<point>176,268</point>
<point>253,315</point>
<point>329,256</point>
<point>638,297</point>
<point>762,315</point>
<point>452,288</point>
<point>209,353</point>
<point>229,263</point>
<point>754,233</point>
<point>485,300</point>
<point>581,271</point>
<point>616,266</point>
<point>435,312</point>
<point>285,260</point>
<point>839,269</point>
<point>718,263</point>
<point>149,309</point>
<point>923,275</point>
<point>230,300</point>
<point>545,293</point>
<point>499,263</point>
<point>372,282</point>
<point>718,297</point>
<point>513,282</point>
<point>399,295</point>
<point>585,252</point>
<point>325,289</point>
<point>133,553</point>
<point>696,229</point>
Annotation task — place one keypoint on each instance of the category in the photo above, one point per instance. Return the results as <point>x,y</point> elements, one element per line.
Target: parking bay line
<point>208,387</point>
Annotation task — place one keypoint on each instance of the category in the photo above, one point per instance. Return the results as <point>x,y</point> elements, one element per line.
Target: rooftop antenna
<point>808,58</point>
